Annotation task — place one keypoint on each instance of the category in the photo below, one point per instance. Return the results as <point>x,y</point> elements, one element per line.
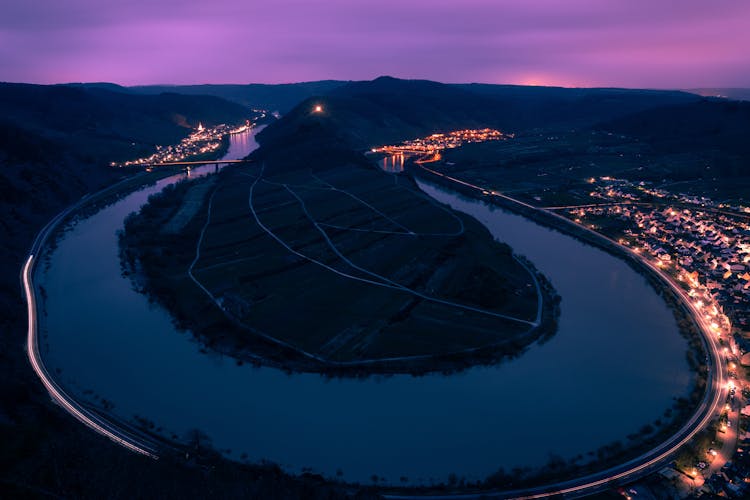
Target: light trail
<point>56,392</point>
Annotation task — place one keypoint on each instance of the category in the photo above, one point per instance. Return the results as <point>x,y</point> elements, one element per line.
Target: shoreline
<point>135,438</point>
<point>426,490</point>
<point>685,409</point>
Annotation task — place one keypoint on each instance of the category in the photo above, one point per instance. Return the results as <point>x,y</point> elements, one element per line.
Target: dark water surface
<point>615,365</point>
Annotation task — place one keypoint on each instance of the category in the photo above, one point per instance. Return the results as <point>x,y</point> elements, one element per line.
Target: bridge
<point>193,163</point>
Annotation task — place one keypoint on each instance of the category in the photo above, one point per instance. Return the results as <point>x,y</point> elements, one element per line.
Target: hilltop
<point>273,97</point>
<point>361,272</point>
<point>414,101</point>
<point>364,114</point>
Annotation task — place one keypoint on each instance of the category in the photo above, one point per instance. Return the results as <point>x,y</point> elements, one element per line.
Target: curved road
<point>631,470</point>
<point>650,461</point>
<point>115,431</point>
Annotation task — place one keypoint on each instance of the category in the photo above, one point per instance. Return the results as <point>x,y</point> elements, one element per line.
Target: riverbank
<point>688,327</point>
<point>45,452</point>
<point>468,424</point>
<point>683,409</point>
<point>131,180</point>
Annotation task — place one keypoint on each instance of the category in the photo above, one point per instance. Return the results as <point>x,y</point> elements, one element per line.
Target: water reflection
<point>242,143</point>
<point>393,163</point>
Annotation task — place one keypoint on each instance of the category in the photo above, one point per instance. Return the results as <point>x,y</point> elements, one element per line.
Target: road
<point>654,459</point>
<point>111,429</point>
<point>730,433</point>
<point>636,468</point>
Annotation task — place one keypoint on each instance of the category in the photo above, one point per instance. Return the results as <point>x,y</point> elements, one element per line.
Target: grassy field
<point>342,265</point>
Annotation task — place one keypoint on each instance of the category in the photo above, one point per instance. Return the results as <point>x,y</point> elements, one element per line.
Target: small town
<point>437,142</point>
<point>203,141</point>
<point>704,246</point>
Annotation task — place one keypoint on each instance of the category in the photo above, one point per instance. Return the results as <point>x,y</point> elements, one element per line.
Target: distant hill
<point>364,114</point>
<point>99,124</point>
<point>707,123</point>
<point>384,110</point>
<point>280,97</point>
<point>522,106</point>
<point>738,94</point>
<point>578,107</point>
<point>715,126</point>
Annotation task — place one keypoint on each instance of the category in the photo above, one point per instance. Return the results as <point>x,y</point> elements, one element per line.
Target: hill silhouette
<point>708,123</point>
<point>360,115</point>
<point>740,94</point>
<point>97,124</point>
<point>714,127</point>
<point>272,97</point>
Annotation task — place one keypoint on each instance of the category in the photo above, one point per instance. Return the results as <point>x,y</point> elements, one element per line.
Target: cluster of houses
<point>731,481</point>
<point>203,140</point>
<point>438,142</point>
<point>706,246</point>
<point>698,241</point>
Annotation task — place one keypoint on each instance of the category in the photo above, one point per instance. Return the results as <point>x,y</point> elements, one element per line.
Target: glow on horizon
<point>572,43</point>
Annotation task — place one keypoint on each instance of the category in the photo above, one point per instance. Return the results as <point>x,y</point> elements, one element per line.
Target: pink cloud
<point>573,42</point>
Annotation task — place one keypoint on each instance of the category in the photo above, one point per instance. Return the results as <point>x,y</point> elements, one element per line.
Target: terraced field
<point>344,266</point>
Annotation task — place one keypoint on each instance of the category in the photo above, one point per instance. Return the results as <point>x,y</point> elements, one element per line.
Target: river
<point>616,364</point>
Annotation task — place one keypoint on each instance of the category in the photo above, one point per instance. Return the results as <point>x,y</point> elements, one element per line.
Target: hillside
<point>416,287</point>
<point>713,127</point>
<point>278,97</point>
<point>415,101</point>
<point>364,114</point>
<point>707,123</point>
<point>56,141</point>
<point>96,124</point>
<point>577,107</point>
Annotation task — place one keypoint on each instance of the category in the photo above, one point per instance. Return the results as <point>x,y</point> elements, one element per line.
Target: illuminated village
<point>705,247</point>
<point>436,142</point>
<point>704,244</point>
<point>428,148</point>
<point>203,141</point>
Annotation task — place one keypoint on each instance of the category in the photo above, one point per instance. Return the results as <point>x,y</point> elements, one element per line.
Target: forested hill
<point>96,124</point>
<point>272,97</point>
<point>707,124</point>
<point>360,115</point>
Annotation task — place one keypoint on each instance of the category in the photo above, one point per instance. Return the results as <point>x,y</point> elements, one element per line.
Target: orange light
<point>318,108</point>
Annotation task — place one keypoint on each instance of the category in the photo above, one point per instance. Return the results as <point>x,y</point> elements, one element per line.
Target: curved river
<point>616,364</point>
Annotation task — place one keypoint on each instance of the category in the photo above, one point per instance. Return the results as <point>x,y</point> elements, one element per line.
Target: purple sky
<point>628,43</point>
